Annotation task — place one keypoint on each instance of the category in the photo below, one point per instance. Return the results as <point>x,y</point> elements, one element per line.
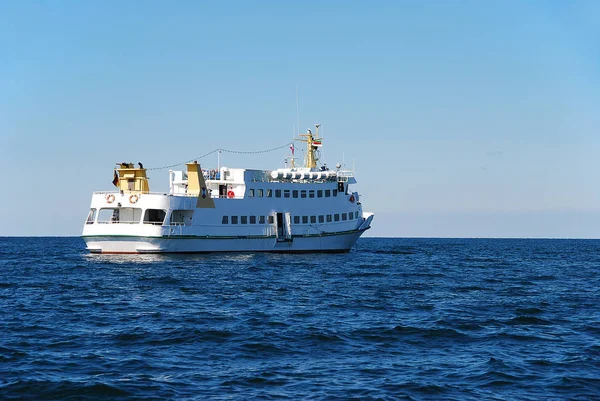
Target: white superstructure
<point>305,209</point>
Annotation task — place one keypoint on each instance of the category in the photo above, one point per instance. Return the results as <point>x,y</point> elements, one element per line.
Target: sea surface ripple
<point>414,319</point>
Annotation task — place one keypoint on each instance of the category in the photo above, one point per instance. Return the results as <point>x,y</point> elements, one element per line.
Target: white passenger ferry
<point>292,209</point>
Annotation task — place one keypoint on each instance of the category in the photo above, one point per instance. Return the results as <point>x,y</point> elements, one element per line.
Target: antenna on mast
<point>297,110</point>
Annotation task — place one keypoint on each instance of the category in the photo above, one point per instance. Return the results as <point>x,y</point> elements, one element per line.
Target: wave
<point>528,320</point>
<point>61,390</point>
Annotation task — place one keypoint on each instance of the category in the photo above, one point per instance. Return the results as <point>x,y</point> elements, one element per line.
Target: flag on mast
<point>115,180</point>
<point>317,143</point>
<point>292,148</point>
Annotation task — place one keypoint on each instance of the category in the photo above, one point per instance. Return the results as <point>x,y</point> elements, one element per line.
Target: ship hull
<point>327,243</point>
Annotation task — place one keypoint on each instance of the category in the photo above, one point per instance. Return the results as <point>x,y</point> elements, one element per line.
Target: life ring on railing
<point>133,198</point>
<point>110,198</point>
<point>351,199</point>
<point>230,194</point>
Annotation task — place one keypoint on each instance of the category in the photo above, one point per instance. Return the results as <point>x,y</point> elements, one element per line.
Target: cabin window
<point>336,217</point>
<point>153,216</point>
<point>344,216</point>
<point>335,192</point>
<point>259,193</point>
<point>131,185</point>
<point>261,219</point>
<point>311,193</point>
<point>91,217</point>
<point>313,219</point>
<point>122,215</point>
<point>295,193</point>
<point>304,219</point>
<point>329,218</point>
<point>250,193</point>
<point>244,219</point>
<point>108,216</point>
<point>225,220</point>
<point>319,193</point>
<point>252,219</point>
<point>278,193</point>
<point>130,215</point>
<point>234,219</point>
<point>327,193</point>
<point>271,219</point>
<point>321,219</point>
<point>269,193</point>
<point>286,193</point>
<point>356,214</point>
<point>351,216</point>
<point>303,193</point>
<point>181,217</point>
<point>296,219</point>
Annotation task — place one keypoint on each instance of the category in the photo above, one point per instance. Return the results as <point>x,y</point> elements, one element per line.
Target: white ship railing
<point>345,173</point>
<point>119,222</point>
<point>128,193</point>
<point>165,194</point>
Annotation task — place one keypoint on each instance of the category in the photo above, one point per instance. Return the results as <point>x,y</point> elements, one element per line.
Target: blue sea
<point>394,319</point>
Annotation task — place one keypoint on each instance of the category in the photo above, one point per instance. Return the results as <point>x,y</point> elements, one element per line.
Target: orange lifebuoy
<point>133,198</point>
<point>110,198</point>
<point>351,198</point>
<point>230,194</point>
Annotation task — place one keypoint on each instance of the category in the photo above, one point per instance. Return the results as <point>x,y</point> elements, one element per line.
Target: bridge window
<point>271,219</point>
<point>269,193</point>
<point>304,219</point>
<point>286,193</point>
<point>336,217</point>
<point>319,193</point>
<point>311,193</point>
<point>344,216</point>
<point>259,193</point>
<point>329,218</point>
<point>321,219</point>
<point>303,193</point>
<point>261,219</point>
<point>328,193</point>
<point>252,219</point>
<point>335,192</point>
<point>250,193</point>
<point>278,193</point>
<point>296,219</point>
<point>234,219</point>
<point>356,214</point>
<point>295,193</point>
<point>244,219</point>
<point>225,220</point>
<point>313,219</point>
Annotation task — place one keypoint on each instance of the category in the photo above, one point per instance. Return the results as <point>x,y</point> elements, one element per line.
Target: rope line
<point>222,150</point>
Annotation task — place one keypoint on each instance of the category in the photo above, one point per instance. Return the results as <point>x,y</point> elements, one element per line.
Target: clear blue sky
<point>463,118</point>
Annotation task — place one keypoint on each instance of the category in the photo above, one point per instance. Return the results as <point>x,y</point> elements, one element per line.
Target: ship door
<point>284,227</point>
<point>280,228</point>
<point>288,226</point>
<point>222,191</point>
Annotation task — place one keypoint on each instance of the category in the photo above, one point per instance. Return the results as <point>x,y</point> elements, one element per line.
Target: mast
<point>312,142</point>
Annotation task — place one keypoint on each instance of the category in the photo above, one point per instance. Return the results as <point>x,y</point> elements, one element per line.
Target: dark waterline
<point>423,319</point>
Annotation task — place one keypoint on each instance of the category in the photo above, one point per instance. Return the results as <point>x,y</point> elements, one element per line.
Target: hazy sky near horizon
<point>463,118</point>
